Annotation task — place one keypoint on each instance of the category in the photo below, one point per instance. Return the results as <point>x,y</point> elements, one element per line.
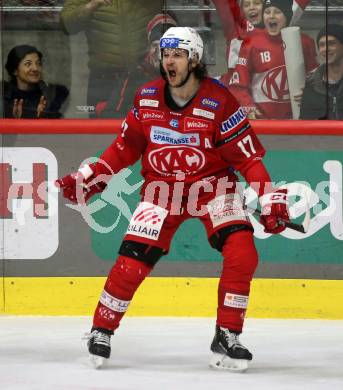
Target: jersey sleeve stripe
<point>234,135</point>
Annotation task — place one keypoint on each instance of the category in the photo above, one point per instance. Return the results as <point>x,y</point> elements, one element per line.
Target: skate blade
<point>223,362</point>
<point>97,361</point>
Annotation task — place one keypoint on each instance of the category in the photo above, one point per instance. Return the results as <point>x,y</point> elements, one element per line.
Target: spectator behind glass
<point>241,19</point>
<point>26,95</point>
<point>115,32</point>
<point>148,68</point>
<point>323,93</point>
<point>259,80</point>
<point>252,10</point>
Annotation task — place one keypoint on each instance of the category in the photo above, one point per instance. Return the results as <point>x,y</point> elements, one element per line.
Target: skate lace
<point>99,337</point>
<point>232,339</point>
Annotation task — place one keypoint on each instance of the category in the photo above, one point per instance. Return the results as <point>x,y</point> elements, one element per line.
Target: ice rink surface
<point>47,353</point>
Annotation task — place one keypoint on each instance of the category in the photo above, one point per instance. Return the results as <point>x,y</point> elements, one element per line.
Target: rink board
<point>62,266</point>
<point>194,297</point>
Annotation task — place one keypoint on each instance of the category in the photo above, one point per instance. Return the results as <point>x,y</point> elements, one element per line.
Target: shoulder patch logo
<point>233,121</point>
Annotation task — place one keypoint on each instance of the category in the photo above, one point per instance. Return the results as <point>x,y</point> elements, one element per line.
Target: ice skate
<point>228,352</point>
<point>99,346</point>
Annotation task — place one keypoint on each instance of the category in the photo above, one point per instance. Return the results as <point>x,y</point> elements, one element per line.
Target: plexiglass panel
<point>85,59</point>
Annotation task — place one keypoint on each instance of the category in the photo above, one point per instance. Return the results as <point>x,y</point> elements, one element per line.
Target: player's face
<point>274,20</point>
<point>176,65</point>
<point>252,10</point>
<point>29,70</point>
<point>334,50</point>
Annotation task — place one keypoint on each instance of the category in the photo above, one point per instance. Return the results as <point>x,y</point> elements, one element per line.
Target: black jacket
<point>121,98</point>
<point>320,100</point>
<point>55,96</point>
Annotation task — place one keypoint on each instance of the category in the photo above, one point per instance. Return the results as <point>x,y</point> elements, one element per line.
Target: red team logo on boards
<point>275,85</point>
<point>197,124</point>
<point>169,160</point>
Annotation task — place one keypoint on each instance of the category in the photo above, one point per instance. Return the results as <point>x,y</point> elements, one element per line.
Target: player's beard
<point>184,80</point>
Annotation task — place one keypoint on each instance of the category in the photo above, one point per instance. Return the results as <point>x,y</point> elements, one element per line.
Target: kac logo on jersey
<point>169,161</point>
<point>275,85</point>
<point>162,136</point>
<point>148,91</point>
<point>174,123</point>
<point>233,121</point>
<point>28,204</point>
<point>208,102</point>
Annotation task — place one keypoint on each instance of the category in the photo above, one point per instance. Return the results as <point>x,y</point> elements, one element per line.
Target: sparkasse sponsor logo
<point>152,114</point>
<point>163,136</point>
<point>233,121</point>
<point>208,102</point>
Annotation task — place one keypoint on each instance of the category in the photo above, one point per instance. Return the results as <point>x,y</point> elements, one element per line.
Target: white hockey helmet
<point>186,38</point>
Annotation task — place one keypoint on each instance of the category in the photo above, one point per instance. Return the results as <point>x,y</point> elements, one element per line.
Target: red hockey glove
<point>274,210</point>
<point>80,186</point>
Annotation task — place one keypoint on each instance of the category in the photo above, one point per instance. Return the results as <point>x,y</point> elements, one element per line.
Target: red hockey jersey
<point>201,140</point>
<point>260,79</point>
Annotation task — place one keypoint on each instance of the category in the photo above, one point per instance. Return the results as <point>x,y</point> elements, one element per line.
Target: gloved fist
<point>274,210</point>
<point>80,186</point>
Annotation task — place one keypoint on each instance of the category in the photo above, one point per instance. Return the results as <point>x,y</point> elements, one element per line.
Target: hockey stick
<point>302,228</point>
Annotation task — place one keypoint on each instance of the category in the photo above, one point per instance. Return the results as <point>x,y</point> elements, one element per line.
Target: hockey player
<point>190,134</point>
<point>259,80</point>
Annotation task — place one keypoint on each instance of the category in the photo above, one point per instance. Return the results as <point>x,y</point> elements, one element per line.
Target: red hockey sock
<point>239,264</point>
<point>122,282</point>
